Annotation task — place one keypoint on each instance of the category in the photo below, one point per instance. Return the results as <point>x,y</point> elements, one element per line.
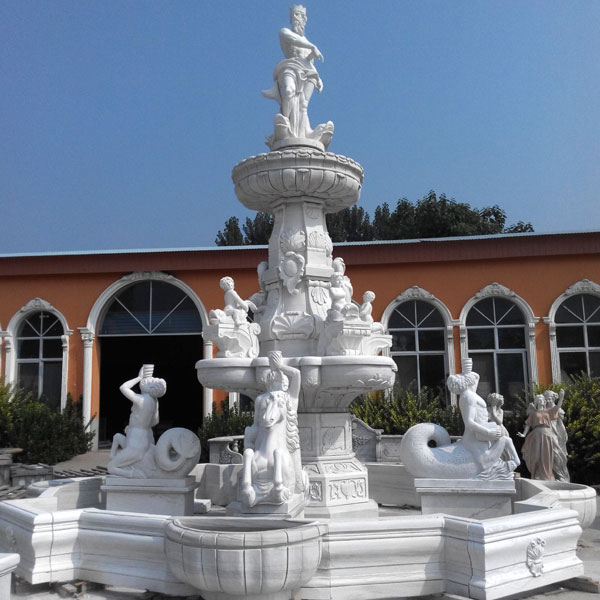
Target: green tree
<point>350,225</point>
<point>431,217</point>
<point>231,234</point>
<point>520,227</point>
<point>257,231</point>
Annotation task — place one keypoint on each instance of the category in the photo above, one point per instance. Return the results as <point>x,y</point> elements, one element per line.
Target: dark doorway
<point>174,357</point>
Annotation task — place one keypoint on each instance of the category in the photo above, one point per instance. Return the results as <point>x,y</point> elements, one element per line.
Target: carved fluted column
<point>88,338</point>
<point>207,393</point>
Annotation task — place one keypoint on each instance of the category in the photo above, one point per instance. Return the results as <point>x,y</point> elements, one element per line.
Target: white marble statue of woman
<point>129,449</point>
<point>560,437</point>
<point>539,438</point>
<point>295,81</point>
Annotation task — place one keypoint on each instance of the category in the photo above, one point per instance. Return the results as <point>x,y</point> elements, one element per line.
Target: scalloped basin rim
<point>239,524</point>
<point>308,361</point>
<point>242,534</point>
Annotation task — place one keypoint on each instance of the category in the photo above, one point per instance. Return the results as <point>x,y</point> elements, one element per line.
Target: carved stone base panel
<point>358,510</point>
<point>349,485</point>
<point>337,477</point>
<point>325,436</point>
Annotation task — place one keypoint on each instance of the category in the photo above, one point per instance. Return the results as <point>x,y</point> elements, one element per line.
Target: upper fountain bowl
<point>329,383</point>
<point>298,172</point>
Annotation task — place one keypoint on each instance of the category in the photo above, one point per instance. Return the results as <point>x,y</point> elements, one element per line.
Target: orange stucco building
<point>525,307</point>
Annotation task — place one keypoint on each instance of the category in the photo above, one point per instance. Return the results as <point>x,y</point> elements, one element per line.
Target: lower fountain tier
<point>372,558</point>
<point>329,383</point>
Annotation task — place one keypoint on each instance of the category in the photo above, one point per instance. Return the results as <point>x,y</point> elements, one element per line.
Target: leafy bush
<point>582,421</point>
<point>227,421</point>
<point>400,409</point>
<point>46,435</point>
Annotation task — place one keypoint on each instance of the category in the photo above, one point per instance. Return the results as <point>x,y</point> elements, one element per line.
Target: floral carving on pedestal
<point>341,467</point>
<point>319,240</point>
<point>240,341</point>
<point>293,324</point>
<point>535,552</point>
<point>319,295</point>
<point>315,491</point>
<point>347,489</point>
<point>291,269</point>
<point>292,240</point>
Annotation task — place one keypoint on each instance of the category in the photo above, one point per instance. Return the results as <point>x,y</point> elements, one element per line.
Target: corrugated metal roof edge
<point>231,248</point>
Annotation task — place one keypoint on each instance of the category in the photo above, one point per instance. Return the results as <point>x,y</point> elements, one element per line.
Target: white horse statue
<point>272,471</point>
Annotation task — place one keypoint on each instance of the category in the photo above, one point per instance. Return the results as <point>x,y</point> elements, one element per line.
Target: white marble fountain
<point>296,518</point>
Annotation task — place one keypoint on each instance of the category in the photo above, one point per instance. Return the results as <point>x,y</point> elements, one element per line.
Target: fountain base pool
<point>401,553</point>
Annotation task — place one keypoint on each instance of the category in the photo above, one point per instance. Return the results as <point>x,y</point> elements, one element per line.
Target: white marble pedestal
<point>471,498</point>
<point>339,482</point>
<point>174,497</point>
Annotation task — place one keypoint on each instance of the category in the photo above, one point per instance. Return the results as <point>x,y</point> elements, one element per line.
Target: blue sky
<point>121,120</point>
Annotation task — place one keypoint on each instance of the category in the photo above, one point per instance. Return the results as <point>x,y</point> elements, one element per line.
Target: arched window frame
<point>88,333</point>
<point>585,286</point>
<point>417,293</point>
<point>497,290</point>
<point>10,336</point>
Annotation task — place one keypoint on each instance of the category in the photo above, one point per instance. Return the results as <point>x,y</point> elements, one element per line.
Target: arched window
<point>151,308</point>
<point>497,343</point>
<point>419,345</point>
<point>577,322</point>
<point>40,340</point>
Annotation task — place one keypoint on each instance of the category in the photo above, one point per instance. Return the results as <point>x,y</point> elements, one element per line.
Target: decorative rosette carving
<point>293,324</point>
<point>291,269</point>
<point>292,240</point>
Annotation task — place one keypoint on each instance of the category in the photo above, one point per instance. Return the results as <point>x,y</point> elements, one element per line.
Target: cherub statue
<point>236,309</point>
<point>337,293</point>
<point>366,308</point>
<point>259,299</point>
<point>135,454</point>
<point>339,266</point>
<point>272,470</point>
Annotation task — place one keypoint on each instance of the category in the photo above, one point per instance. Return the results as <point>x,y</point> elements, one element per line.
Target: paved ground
<point>589,552</point>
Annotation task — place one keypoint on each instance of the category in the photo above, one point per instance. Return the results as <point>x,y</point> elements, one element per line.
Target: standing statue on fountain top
<point>295,81</point>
